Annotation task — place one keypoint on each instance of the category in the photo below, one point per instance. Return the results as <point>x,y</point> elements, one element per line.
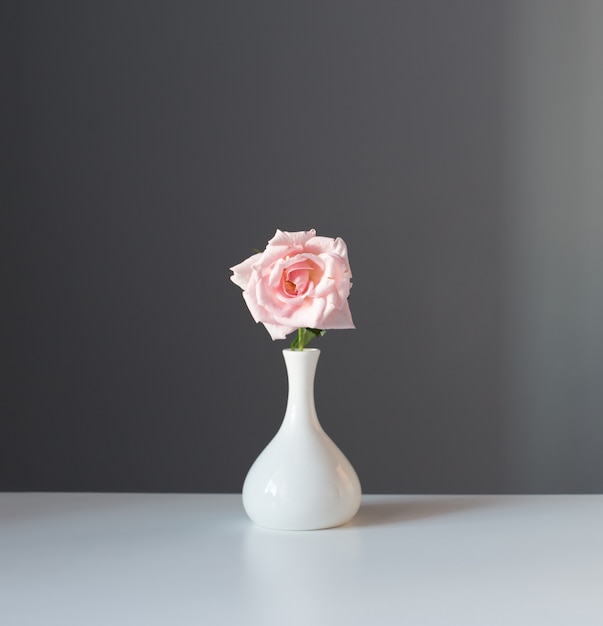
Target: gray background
<point>455,146</point>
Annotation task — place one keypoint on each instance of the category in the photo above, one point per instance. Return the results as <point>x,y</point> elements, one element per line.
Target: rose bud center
<point>298,278</point>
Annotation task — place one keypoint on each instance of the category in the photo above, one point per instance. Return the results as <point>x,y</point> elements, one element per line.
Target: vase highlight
<point>301,480</point>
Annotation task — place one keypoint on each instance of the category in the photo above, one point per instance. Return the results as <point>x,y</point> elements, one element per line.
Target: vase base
<point>301,522</point>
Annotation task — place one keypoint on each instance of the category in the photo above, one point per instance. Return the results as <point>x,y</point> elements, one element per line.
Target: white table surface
<point>113,559</point>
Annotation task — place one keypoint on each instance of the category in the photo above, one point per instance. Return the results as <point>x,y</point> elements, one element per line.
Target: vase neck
<point>301,368</point>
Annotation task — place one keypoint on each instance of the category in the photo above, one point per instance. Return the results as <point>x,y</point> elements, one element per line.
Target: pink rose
<point>299,281</point>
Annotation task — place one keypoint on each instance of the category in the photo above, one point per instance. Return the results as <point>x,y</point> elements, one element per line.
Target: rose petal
<point>338,318</point>
<point>277,331</point>
<point>309,315</point>
<point>276,273</point>
<point>242,271</point>
<point>285,238</point>
<point>327,245</point>
<point>257,311</point>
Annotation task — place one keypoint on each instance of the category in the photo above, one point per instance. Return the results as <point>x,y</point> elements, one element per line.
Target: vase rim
<point>304,350</point>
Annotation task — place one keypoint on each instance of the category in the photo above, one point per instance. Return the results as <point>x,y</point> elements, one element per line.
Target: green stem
<point>305,336</point>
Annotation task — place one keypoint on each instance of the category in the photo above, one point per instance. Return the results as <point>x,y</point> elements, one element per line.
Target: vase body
<point>301,481</point>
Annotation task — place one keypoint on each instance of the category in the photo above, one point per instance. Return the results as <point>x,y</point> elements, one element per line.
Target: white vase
<point>301,481</point>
